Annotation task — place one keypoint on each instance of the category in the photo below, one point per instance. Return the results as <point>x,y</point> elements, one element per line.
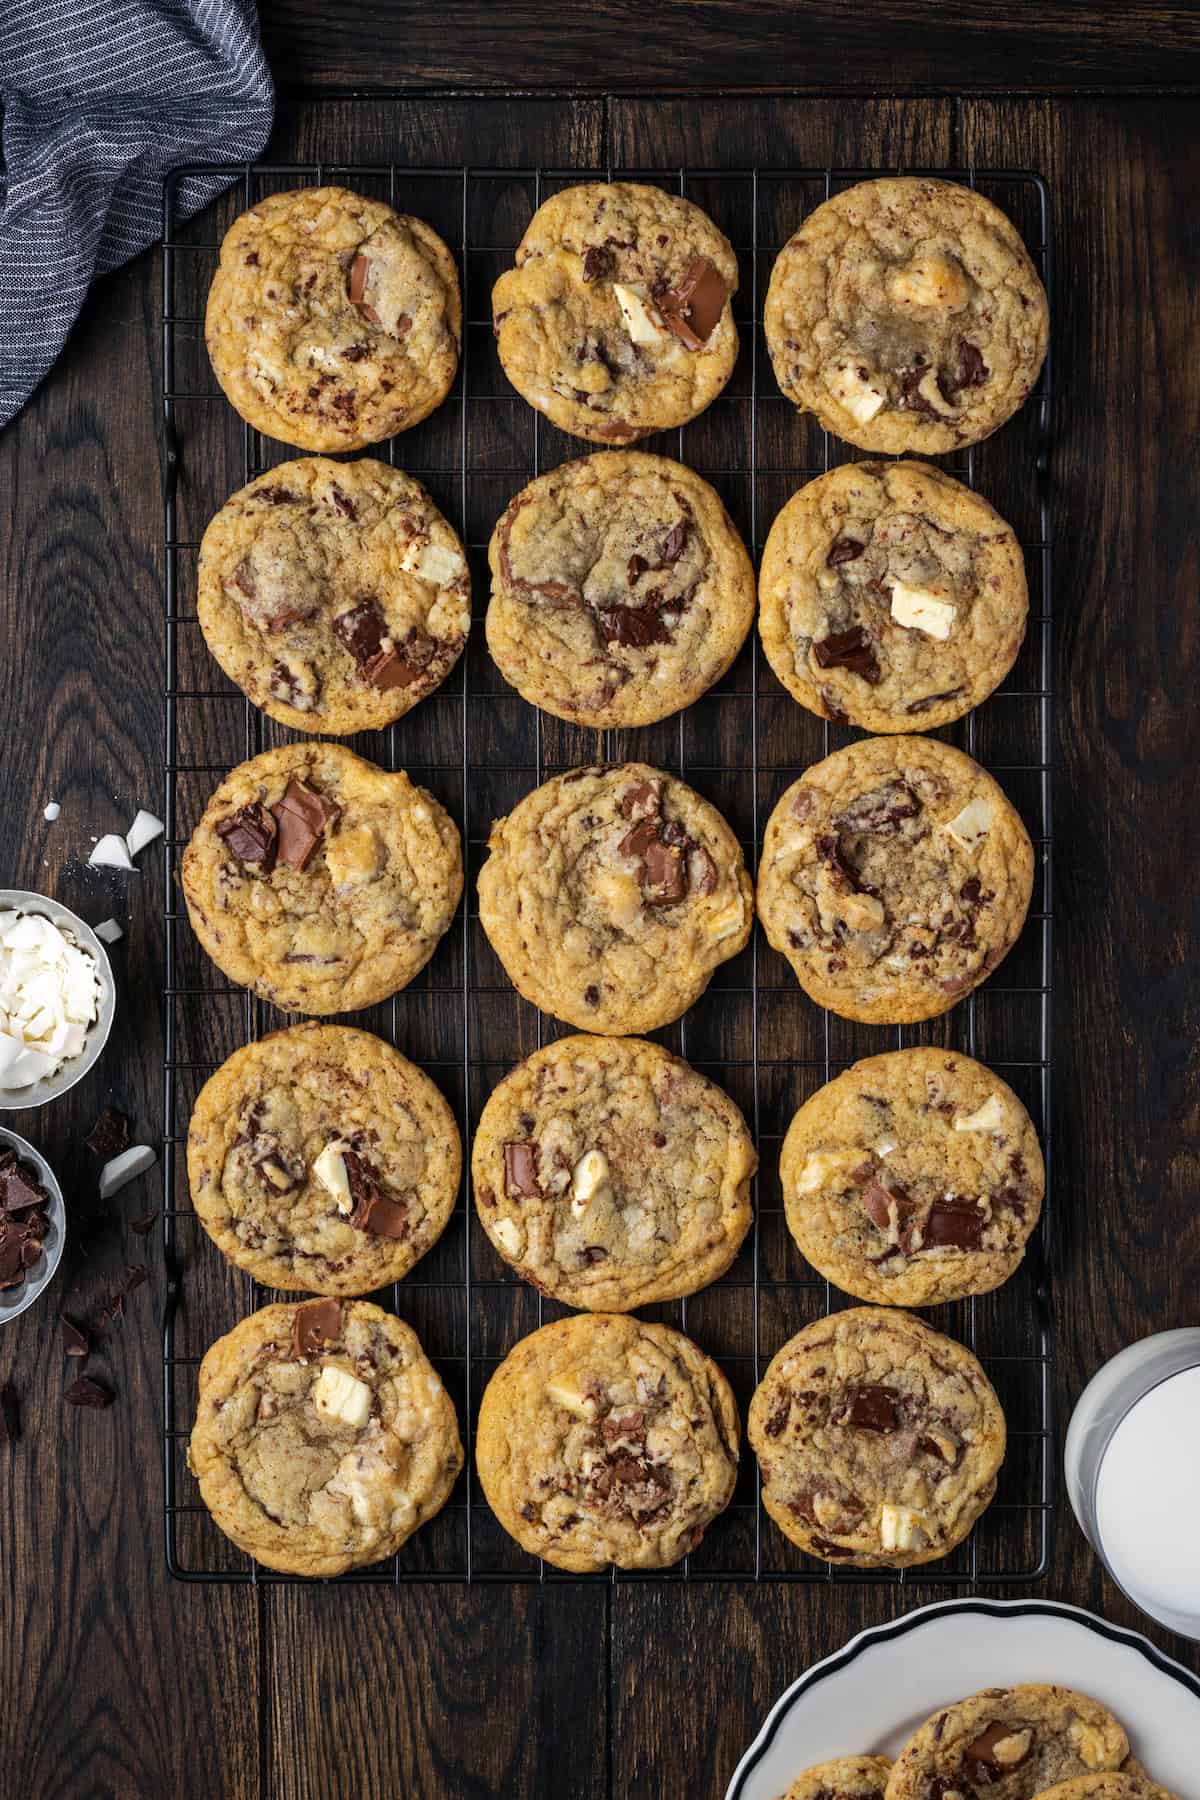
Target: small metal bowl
<point>51,1086</point>
<point>16,1300</point>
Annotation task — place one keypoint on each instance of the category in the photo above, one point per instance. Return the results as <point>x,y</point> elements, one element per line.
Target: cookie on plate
<point>332,320</point>
<point>1132,1783</point>
<point>323,1437</point>
<point>891,597</point>
<point>319,880</point>
<point>895,876</point>
<point>611,894</point>
<point>611,1175</point>
<point>913,1178</point>
<point>605,1440</point>
<point>907,315</point>
<point>845,1778</point>
<point>616,319</point>
<point>620,590</point>
<point>1012,1742</point>
<point>879,1440</point>
<point>334,594</point>
<point>320,1158</point>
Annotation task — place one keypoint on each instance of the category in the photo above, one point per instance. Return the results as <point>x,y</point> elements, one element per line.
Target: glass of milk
<point>1133,1474</point>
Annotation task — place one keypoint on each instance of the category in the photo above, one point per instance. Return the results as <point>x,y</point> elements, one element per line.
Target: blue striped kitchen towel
<point>100,97</point>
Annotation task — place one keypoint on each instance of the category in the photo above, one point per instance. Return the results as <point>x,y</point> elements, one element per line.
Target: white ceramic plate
<point>870,1697</point>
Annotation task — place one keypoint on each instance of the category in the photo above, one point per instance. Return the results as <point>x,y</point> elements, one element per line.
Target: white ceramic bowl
<point>16,1300</point>
<point>17,1099</point>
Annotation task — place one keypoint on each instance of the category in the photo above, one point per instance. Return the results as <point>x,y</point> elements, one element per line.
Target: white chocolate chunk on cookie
<point>969,827</point>
<point>921,609</point>
<point>339,1395</point>
<point>851,384</point>
<point>988,1117</point>
<point>639,314</point>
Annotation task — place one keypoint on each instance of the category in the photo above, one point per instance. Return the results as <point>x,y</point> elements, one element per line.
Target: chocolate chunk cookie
<point>1012,1742</point>
<point>891,597</point>
<point>334,594</point>
<point>603,1440</point>
<point>611,894</point>
<point>616,319</point>
<point>323,1438</point>
<point>611,1175</point>
<point>913,1178</point>
<point>332,321</point>
<point>321,1159</point>
<point>907,315</point>
<point>895,876</point>
<point>320,881</point>
<point>879,1441</point>
<point>620,590</point>
<point>1132,1783</point>
<point>845,1778</point>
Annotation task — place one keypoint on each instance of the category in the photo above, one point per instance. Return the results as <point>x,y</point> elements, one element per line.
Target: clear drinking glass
<point>1133,1474</point>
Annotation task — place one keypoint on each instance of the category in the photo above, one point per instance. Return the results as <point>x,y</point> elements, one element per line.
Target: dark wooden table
<point>117,1681</point>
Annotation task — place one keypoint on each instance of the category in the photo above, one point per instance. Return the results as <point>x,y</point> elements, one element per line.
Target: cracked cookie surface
<point>323,1437</point>
<point>605,1440</point>
<point>845,1778</point>
<point>319,1158</point>
<point>895,876</point>
<point>615,320</point>
<point>320,881</point>
<point>891,597</point>
<point>913,1178</point>
<point>907,315</point>
<point>879,1440</point>
<point>611,895</point>
<point>620,590</point>
<point>334,594</point>
<point>333,321</point>
<point>1012,1743</point>
<point>611,1175</point>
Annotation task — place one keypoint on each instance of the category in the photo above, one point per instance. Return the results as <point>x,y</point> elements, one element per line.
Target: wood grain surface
<point>119,1682</point>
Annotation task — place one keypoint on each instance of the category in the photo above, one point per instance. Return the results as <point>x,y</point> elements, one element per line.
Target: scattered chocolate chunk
<point>693,307</point>
<point>705,881</point>
<point>982,1764</point>
<point>301,817</point>
<point>676,543</point>
<point>643,800</point>
<point>276,496</point>
<point>877,1202</point>
<point>343,502</point>
<point>592,1253</point>
<point>843,550</point>
<point>664,881</point>
<point>373,1211</point>
<point>880,812</point>
<point>361,630</point>
<point>10,1414</point>
<point>972,371</point>
<point>869,1408</point>
<point>356,353</point>
<point>635,569</point>
<point>316,1323</point>
<point>520,1168</point>
<point>87,1391</point>
<point>851,650</point>
<point>598,262</point>
<point>360,270</point>
<point>19,1187</point>
<point>399,665</point>
<point>75,1340</point>
<point>830,1551</point>
<point>778,1417</point>
<point>931,700</point>
<point>276,1175</point>
<point>956,1222</point>
<point>833,712</point>
<point>109,1135</point>
<point>633,627</point>
<point>591,996</point>
<point>251,835</point>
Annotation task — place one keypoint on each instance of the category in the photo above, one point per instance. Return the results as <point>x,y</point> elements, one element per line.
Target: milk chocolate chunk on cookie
<point>913,1178</point>
<point>889,593</point>
<point>323,1437</point>
<point>605,1440</point>
<point>620,590</point>
<point>845,1778</point>
<point>1017,1743</point>
<point>630,1183</point>
<point>895,876</point>
<point>611,894</point>
<point>616,320</point>
<point>337,602</point>
<point>333,322</point>
<point>878,1439</point>
<point>320,881</point>
<point>320,1159</point>
<point>907,315</point>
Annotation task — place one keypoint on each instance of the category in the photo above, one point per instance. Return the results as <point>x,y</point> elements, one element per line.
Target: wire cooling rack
<point>479,748</point>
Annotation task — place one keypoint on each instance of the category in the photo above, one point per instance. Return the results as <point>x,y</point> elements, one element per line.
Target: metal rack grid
<point>461,1020</point>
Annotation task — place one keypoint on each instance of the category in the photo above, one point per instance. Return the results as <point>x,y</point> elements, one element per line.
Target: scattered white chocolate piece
<point>587,1179</point>
<point>565,1392</point>
<point>51,812</point>
<point>108,931</point>
<point>112,852</point>
<point>970,826</point>
<point>988,1117</point>
<point>922,610</point>
<point>330,1170</point>
<point>900,1528</point>
<point>339,1395</point>
<point>509,1236</point>
<point>642,319</point>
<point>436,564</point>
<point>125,1168</point>
<point>851,385</point>
<point>143,831</point>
